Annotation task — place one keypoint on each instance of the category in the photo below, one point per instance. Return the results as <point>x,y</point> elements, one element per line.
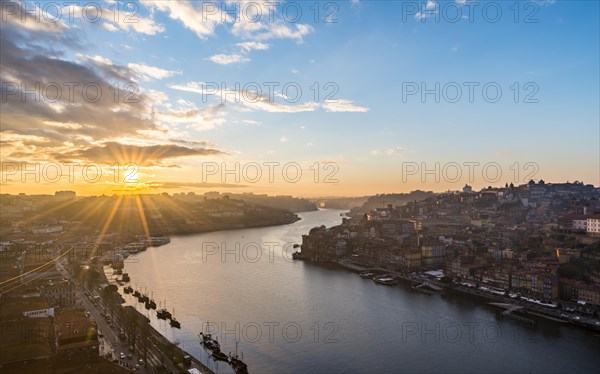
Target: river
<point>295,317</point>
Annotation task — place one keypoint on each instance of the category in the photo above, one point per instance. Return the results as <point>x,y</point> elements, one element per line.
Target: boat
<point>125,277</point>
<point>119,272</point>
<point>128,289</point>
<point>296,245</point>
<point>217,355</point>
<point>136,293</point>
<point>367,275</point>
<point>163,314</point>
<point>296,255</point>
<point>238,365</point>
<point>175,323</point>
<point>386,279</point>
<point>421,289</point>
<point>209,342</point>
<point>152,304</point>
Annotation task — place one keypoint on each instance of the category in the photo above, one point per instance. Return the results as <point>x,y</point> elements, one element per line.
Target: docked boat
<point>174,323</point>
<point>217,355</point>
<point>128,289</point>
<point>163,314</point>
<point>136,293</point>
<point>367,274</point>
<point>296,255</point>
<point>150,304</point>
<point>238,365</point>
<point>386,279</point>
<point>209,342</point>
<point>125,277</point>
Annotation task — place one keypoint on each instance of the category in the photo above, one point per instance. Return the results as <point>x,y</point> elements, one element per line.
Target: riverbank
<point>551,314</point>
<point>148,342</point>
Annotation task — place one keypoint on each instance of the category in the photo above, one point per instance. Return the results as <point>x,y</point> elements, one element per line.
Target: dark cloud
<point>154,155</point>
<point>81,107</point>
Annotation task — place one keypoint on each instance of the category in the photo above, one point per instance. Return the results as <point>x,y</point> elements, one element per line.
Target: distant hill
<point>383,200</point>
<point>288,203</point>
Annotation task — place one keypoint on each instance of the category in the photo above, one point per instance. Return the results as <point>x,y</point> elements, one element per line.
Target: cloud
<point>201,21</point>
<point>187,113</point>
<point>260,22</point>
<point>16,15</point>
<point>135,23</point>
<point>343,105</point>
<point>282,31</point>
<point>94,106</point>
<point>152,155</point>
<point>110,27</point>
<point>390,151</point>
<point>431,8</point>
<point>252,100</point>
<point>393,151</point>
<point>249,46</point>
<point>194,185</point>
<point>147,71</point>
<point>223,59</point>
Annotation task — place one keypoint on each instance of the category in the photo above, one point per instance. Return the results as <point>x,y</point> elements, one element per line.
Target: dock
<point>510,311</point>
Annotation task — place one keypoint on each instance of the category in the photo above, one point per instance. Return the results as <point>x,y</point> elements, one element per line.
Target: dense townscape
<point>536,242</point>
<point>532,249</point>
<point>60,312</point>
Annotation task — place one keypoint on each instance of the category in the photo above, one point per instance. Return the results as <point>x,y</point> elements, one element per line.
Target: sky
<point>330,98</point>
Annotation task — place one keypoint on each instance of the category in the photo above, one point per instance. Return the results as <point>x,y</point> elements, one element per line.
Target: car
<point>141,362</point>
<point>129,356</point>
<point>122,356</point>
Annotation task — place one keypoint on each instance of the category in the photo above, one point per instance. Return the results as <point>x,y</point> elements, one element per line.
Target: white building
<point>47,229</point>
<point>593,225</point>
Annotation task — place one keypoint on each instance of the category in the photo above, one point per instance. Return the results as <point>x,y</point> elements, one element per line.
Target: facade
<point>593,226</point>
<point>59,294</point>
<point>75,332</point>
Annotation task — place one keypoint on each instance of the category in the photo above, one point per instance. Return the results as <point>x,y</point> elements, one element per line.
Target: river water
<point>294,317</point>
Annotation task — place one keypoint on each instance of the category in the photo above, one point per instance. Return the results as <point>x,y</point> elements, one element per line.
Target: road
<point>111,344</point>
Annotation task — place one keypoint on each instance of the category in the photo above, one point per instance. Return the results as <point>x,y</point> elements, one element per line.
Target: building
<point>64,195</point>
<point>60,294</point>
<point>47,229</point>
<point>593,225</point>
<point>589,293</point>
<point>75,332</point>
